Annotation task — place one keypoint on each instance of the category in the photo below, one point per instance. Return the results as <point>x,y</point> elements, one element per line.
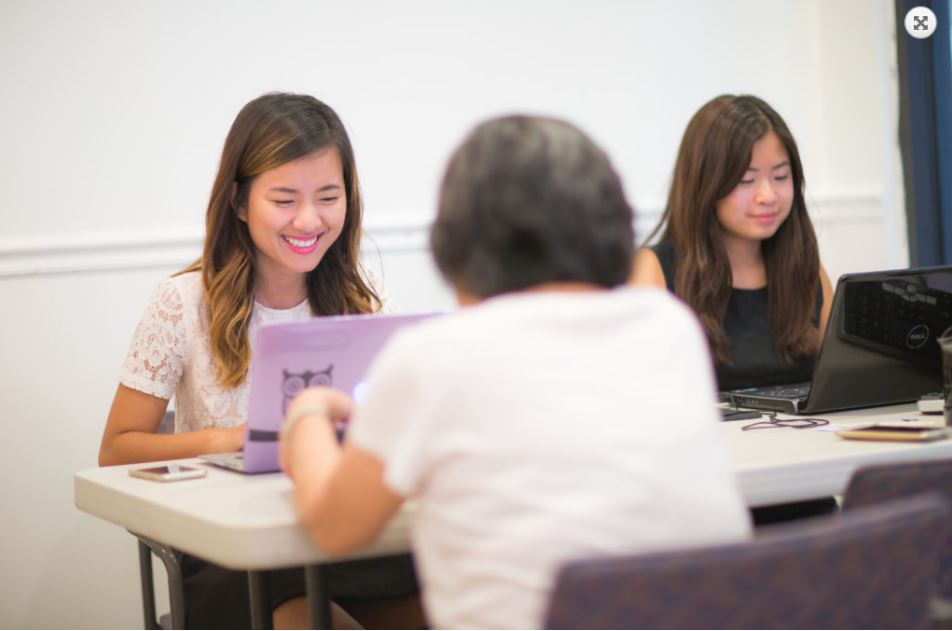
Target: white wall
<point>113,113</point>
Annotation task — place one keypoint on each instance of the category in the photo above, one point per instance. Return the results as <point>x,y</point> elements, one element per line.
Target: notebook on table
<point>879,347</point>
<point>287,357</point>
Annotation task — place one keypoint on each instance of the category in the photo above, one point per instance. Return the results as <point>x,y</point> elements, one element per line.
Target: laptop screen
<point>333,351</point>
<point>881,343</point>
<point>901,316</point>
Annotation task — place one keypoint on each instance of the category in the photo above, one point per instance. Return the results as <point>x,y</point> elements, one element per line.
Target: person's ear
<point>233,197</point>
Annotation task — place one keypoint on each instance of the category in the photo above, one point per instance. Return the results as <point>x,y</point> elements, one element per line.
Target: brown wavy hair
<point>272,130</point>
<point>715,153</point>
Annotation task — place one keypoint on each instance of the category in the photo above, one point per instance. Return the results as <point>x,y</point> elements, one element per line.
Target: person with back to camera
<point>738,246</point>
<point>534,425</point>
<point>281,244</point>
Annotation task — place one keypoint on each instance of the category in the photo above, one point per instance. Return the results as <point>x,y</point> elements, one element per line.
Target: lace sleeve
<point>154,362</point>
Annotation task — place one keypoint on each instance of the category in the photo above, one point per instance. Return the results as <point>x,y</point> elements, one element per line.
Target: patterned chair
<point>880,483</point>
<point>869,568</point>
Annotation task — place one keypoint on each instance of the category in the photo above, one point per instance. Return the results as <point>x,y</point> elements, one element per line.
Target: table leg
<point>318,596</point>
<point>171,559</point>
<point>259,589</point>
<point>148,588</point>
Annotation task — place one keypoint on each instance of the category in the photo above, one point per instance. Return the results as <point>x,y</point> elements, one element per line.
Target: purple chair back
<point>882,483</point>
<point>869,568</point>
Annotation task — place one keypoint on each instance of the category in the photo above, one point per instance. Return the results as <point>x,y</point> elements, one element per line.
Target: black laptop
<point>879,347</point>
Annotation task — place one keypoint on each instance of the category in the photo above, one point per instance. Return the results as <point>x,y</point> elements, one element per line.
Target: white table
<point>776,466</point>
<point>242,522</point>
<point>248,522</point>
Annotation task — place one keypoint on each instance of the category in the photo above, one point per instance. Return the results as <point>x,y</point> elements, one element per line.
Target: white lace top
<point>170,354</point>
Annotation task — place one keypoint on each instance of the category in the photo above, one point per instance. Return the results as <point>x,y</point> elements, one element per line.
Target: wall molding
<point>849,207</point>
<point>115,252</point>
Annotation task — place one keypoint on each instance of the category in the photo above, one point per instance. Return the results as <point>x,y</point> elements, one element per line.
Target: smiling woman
<point>281,243</point>
<point>757,206</point>
<point>294,212</point>
<point>738,246</point>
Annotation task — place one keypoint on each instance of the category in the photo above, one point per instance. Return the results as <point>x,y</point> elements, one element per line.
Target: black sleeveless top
<point>754,360</point>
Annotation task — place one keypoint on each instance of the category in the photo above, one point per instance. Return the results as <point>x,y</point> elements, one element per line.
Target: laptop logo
<point>917,336</point>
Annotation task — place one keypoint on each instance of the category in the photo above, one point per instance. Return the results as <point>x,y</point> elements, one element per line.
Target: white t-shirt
<point>170,353</point>
<point>536,428</point>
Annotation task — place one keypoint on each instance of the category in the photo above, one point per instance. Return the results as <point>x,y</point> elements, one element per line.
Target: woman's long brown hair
<point>272,130</point>
<point>714,155</point>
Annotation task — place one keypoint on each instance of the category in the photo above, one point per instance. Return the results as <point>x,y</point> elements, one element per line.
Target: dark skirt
<point>217,598</point>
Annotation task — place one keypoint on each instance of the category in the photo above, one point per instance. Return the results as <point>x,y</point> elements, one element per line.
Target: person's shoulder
<point>425,347</point>
<point>177,295</point>
<point>651,295</point>
<point>664,251</point>
<point>655,265</point>
<point>186,286</point>
<point>663,248</point>
<point>648,269</point>
<point>441,339</point>
<point>183,282</point>
<point>428,332</point>
<point>659,303</point>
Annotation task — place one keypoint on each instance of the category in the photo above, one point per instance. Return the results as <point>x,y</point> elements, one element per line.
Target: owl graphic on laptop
<point>294,382</point>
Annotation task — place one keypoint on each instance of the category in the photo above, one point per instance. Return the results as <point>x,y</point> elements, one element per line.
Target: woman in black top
<point>754,361</point>
<point>737,245</point>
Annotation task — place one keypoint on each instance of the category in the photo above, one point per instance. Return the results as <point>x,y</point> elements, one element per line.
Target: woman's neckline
<point>264,307</point>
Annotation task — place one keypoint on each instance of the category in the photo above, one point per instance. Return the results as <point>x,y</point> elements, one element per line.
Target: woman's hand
<point>229,439</point>
<point>339,406</point>
<point>327,477</point>
<point>131,433</point>
<point>315,412</point>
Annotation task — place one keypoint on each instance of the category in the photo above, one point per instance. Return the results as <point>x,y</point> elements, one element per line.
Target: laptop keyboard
<point>793,391</point>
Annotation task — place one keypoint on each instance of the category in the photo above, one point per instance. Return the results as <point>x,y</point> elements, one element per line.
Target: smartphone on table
<point>895,432</point>
<point>168,473</point>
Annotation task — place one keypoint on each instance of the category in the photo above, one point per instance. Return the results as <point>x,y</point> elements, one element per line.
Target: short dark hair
<point>526,201</point>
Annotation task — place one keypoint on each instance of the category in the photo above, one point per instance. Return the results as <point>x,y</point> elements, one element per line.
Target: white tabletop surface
<point>785,465</point>
<point>248,522</point>
<point>238,521</point>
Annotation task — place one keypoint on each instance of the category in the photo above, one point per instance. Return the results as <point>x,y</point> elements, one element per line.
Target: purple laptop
<point>333,351</point>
